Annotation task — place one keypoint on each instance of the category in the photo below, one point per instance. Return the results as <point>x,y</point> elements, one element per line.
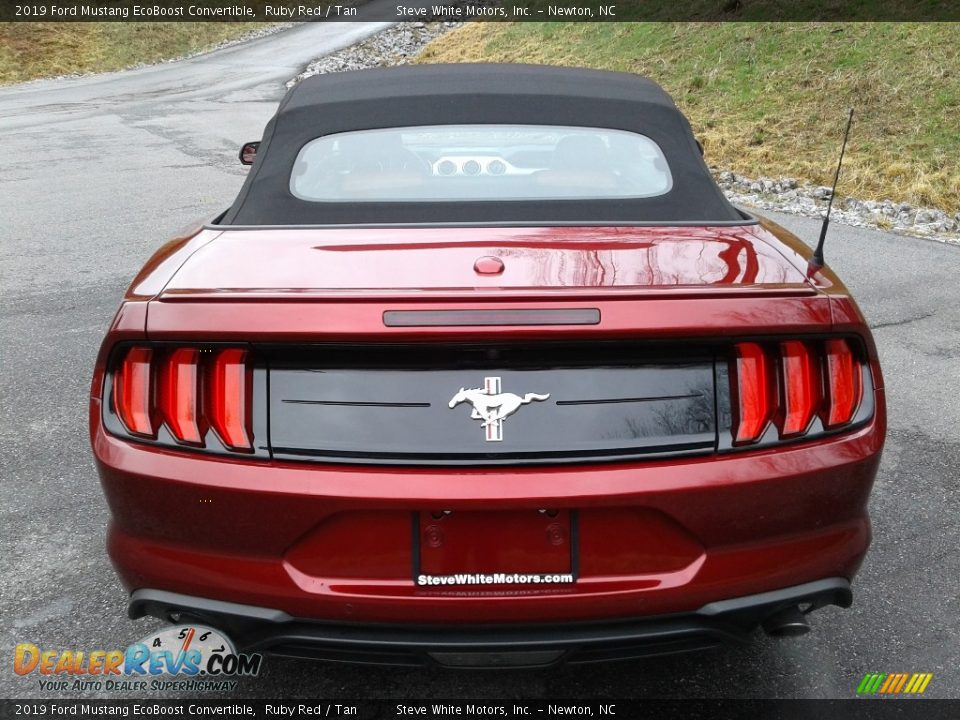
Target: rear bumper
<point>333,543</point>
<point>256,629</point>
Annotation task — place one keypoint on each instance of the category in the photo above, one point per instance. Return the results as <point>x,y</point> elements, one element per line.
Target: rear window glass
<point>458,163</point>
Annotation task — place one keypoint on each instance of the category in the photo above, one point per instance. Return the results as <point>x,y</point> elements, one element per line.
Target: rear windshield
<point>457,163</point>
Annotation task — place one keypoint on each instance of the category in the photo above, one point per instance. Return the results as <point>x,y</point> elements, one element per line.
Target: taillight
<point>179,394</point>
<point>132,391</point>
<point>817,379</point>
<point>229,398</point>
<point>801,386</point>
<point>753,392</point>
<point>201,397</point>
<point>844,383</point>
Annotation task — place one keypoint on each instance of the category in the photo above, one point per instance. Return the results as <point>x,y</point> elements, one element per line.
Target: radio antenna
<point>817,260</point>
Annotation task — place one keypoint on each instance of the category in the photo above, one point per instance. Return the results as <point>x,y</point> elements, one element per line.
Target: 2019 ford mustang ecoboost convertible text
<point>482,367</point>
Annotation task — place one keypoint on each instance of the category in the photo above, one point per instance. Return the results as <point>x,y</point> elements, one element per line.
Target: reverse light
<point>753,392</point>
<point>178,396</point>
<point>229,398</point>
<point>844,384</point>
<point>132,394</point>
<point>801,386</point>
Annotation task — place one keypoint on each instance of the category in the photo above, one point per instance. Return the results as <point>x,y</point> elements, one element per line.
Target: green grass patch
<point>771,98</point>
<point>35,50</point>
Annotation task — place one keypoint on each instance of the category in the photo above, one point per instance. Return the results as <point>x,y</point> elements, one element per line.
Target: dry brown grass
<point>35,50</point>
<point>770,98</point>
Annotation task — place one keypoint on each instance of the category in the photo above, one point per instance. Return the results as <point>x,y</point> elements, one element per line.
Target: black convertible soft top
<point>478,94</point>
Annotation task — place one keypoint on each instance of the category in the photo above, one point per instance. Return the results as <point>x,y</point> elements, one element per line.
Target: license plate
<point>524,547</point>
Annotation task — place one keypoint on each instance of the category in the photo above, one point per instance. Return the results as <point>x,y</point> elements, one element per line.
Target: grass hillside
<point>35,50</point>
<point>771,98</point>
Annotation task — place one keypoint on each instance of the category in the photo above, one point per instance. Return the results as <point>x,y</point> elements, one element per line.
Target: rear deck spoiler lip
<point>403,295</point>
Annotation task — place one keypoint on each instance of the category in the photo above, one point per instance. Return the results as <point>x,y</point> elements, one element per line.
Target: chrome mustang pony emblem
<point>493,406</point>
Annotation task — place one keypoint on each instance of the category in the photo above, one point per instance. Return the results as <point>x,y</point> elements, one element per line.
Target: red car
<point>481,367</point>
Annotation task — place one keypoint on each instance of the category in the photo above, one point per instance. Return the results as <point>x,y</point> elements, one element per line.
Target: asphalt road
<point>97,172</point>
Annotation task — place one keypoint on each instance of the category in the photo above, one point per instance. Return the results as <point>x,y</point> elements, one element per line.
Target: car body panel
<point>763,520</point>
<point>429,260</point>
<point>741,524</point>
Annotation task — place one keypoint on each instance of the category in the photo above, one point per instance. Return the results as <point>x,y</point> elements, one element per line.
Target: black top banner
<point>475,10</point>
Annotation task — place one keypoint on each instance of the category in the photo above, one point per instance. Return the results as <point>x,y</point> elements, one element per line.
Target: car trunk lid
<point>301,262</point>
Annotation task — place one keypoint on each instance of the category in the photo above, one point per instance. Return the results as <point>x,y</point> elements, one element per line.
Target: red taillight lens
<point>844,383</point>
<point>229,399</point>
<point>179,394</point>
<point>821,387</point>
<point>132,391</point>
<point>801,386</point>
<point>178,388</point>
<point>753,390</point>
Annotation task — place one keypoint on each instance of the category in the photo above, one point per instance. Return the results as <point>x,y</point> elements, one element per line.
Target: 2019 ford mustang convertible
<point>481,367</point>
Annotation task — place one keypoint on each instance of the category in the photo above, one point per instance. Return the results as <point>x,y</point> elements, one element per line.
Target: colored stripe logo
<point>492,386</point>
<point>894,683</point>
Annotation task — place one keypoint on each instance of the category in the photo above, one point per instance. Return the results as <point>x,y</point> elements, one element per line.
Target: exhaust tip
<point>789,622</point>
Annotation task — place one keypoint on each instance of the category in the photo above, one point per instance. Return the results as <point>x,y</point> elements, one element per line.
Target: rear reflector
<point>132,392</point>
<point>179,393</point>
<point>229,399</point>
<point>844,384</point>
<point>801,386</point>
<point>753,390</point>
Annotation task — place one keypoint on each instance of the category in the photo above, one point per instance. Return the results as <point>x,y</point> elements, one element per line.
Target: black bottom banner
<point>854,709</point>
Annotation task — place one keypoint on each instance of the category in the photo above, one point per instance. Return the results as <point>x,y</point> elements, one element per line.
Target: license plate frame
<point>489,542</point>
